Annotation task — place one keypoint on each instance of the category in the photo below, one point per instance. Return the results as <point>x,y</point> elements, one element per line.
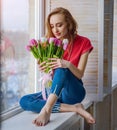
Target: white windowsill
<point>58,121</point>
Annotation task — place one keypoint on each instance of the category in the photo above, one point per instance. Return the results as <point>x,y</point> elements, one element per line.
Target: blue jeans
<point>65,85</point>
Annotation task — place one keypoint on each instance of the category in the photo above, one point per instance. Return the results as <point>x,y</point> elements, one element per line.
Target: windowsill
<point>23,120</point>
<point>114,86</point>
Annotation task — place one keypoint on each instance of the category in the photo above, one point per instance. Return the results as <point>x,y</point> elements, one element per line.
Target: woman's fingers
<point>55,63</point>
<point>52,59</point>
<point>43,66</point>
<point>54,66</point>
<point>43,63</point>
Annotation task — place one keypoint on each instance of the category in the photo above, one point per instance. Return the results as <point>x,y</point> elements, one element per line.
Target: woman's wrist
<point>68,64</point>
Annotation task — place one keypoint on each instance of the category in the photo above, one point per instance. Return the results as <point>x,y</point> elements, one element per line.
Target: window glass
<point>17,64</point>
<point>114,72</point>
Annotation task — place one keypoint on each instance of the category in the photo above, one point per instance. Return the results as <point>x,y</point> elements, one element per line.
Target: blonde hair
<point>71,23</point>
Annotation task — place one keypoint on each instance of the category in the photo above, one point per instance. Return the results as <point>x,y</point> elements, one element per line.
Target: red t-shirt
<point>80,46</point>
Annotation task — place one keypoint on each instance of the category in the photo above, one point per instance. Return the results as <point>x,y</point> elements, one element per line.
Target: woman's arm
<point>77,71</point>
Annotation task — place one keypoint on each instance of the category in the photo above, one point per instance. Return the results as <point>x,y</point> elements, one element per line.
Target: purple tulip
<point>55,41</point>
<point>58,43</point>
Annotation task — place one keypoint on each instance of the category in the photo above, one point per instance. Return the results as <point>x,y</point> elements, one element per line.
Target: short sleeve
<point>87,46</point>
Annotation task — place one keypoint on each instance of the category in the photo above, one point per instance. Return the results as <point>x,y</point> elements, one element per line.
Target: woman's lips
<point>57,34</point>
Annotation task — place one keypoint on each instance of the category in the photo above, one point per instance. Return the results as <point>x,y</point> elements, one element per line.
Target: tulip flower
<point>44,48</point>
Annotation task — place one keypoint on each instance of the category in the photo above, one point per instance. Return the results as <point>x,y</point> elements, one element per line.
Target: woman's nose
<point>55,29</point>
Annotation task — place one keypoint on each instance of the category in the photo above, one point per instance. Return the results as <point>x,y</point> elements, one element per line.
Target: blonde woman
<point>67,90</point>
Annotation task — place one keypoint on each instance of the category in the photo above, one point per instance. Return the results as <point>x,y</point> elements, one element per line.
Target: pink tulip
<point>28,47</point>
<point>51,40</point>
<point>33,42</point>
<point>65,43</point>
<point>65,46</point>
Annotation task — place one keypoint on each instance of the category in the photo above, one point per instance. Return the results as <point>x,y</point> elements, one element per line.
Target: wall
<point>106,113</point>
<point>114,109</point>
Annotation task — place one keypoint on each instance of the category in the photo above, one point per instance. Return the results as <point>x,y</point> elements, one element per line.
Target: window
<point>114,65</point>
<point>17,65</point>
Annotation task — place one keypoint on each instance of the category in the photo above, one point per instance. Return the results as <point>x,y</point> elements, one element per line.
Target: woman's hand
<point>55,63</point>
<point>42,66</point>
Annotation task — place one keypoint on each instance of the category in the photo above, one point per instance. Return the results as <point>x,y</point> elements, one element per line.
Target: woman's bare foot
<point>43,118</point>
<point>81,111</point>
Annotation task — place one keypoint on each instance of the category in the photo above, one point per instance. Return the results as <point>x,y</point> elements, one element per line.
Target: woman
<point>67,91</point>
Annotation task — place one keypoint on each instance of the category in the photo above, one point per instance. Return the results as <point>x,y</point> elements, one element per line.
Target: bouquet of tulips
<point>43,49</point>
<point>47,48</point>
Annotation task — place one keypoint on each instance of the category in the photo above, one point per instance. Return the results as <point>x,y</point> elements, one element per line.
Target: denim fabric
<point>34,102</point>
<point>65,85</point>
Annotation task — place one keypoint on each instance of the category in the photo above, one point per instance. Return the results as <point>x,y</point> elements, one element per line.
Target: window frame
<point>114,84</point>
<point>39,32</point>
<point>101,48</point>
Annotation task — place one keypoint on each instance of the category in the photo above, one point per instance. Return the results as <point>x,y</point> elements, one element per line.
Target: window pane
<point>17,65</point>
<point>114,78</point>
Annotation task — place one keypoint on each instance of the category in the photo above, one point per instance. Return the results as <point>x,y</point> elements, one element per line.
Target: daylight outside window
<point>17,65</point>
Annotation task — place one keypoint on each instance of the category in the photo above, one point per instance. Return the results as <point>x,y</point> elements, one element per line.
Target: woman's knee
<point>60,76</point>
<point>73,97</point>
<point>61,72</point>
<point>23,102</point>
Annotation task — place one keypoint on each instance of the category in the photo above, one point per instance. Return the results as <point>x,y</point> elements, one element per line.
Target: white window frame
<point>114,85</point>
<point>101,50</point>
<point>39,32</point>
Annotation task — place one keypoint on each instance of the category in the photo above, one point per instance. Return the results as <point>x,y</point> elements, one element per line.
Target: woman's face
<point>58,26</point>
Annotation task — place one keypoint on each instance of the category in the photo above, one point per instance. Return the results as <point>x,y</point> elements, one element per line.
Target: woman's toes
<point>90,119</point>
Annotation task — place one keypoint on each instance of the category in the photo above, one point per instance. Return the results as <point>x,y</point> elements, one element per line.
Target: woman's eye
<point>52,26</point>
<point>59,25</point>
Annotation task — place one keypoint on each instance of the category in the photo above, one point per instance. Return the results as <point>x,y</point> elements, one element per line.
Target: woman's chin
<point>59,37</point>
